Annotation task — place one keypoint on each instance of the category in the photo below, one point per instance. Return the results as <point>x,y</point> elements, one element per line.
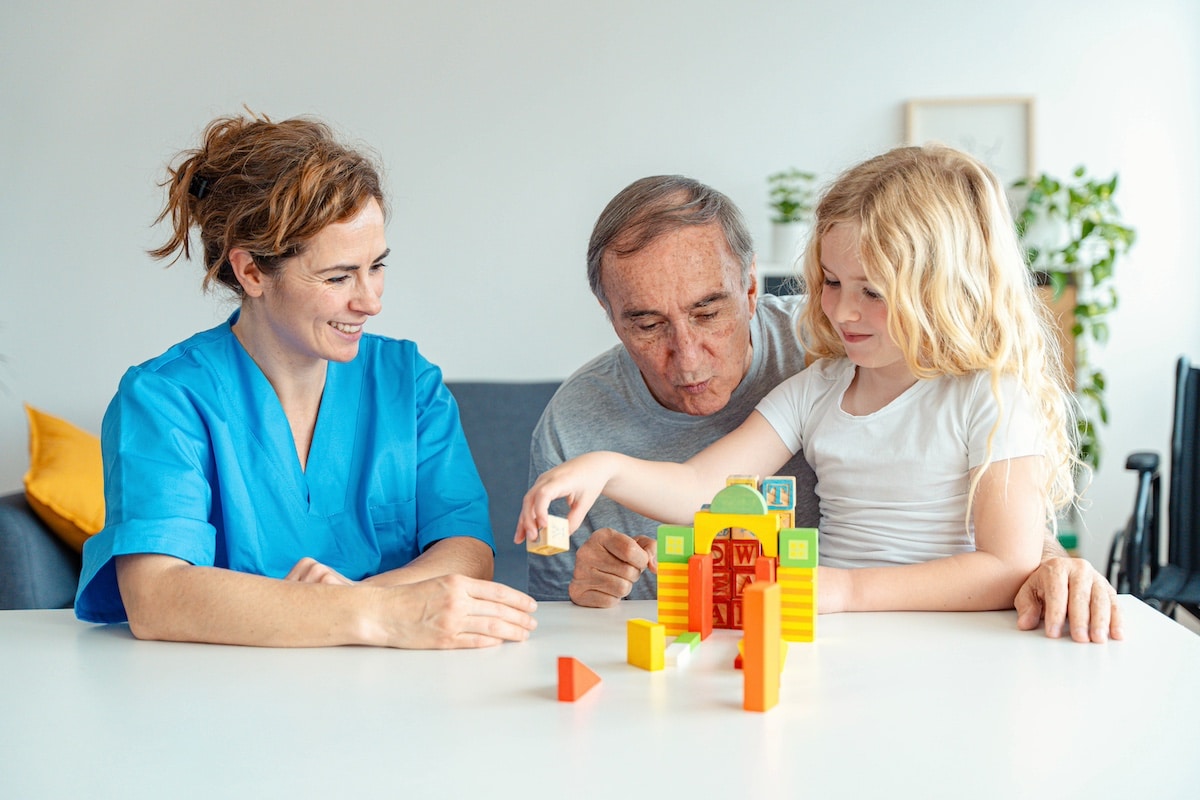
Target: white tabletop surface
<point>900,705</point>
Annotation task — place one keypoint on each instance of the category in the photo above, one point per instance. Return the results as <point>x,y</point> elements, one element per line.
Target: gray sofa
<point>38,571</point>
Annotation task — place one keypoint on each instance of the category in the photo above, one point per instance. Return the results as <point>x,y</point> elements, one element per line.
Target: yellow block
<point>646,644</point>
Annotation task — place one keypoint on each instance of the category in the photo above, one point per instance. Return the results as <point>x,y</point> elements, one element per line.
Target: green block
<point>798,547</point>
<point>691,639</point>
<point>738,499</point>
<point>676,544</point>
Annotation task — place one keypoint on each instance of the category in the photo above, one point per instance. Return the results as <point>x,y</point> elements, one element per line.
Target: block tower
<point>703,572</point>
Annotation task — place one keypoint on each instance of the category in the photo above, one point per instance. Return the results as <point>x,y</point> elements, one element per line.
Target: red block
<point>745,552</point>
<point>764,569</point>
<point>574,679</point>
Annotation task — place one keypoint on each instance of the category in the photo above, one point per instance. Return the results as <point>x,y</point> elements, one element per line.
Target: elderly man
<point>672,265</point>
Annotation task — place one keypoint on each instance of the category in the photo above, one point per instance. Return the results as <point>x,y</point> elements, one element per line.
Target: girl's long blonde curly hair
<point>937,240</point>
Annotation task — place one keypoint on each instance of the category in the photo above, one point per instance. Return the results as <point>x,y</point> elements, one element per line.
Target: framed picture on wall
<point>996,130</point>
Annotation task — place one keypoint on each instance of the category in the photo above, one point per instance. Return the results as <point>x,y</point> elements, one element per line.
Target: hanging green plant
<point>1073,234</point>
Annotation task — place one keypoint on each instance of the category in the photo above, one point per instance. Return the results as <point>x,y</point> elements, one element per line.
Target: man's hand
<point>607,565</point>
<point>1070,590</point>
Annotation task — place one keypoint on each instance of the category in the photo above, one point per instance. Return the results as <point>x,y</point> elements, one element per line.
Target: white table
<point>897,705</point>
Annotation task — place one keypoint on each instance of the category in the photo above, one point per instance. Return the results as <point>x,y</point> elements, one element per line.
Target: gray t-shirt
<point>605,405</point>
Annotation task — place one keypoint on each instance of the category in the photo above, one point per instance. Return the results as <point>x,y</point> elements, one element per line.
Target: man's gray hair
<point>651,207</point>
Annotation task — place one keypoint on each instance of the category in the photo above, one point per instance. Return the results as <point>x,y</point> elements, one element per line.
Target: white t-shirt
<point>892,485</point>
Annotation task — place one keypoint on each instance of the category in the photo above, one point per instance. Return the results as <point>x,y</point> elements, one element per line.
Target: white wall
<point>506,126</point>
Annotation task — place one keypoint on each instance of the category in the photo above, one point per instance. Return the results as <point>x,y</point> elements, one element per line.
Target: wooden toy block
<point>673,597</point>
<point>723,615</point>
<point>675,544</point>
<point>779,492</point>
<point>764,526</point>
<point>678,654</point>
<point>700,594</point>
<point>783,648</point>
<point>799,603</point>
<point>735,615</point>
<point>761,660</point>
<point>646,644</point>
<point>552,539</point>
<point>743,480</point>
<point>738,498</point>
<point>787,517</point>
<point>798,547</point>
<point>764,569</point>
<point>745,553</point>
<point>574,679</point>
<point>691,639</point>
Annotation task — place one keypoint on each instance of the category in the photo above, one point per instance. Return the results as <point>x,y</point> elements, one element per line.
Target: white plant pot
<point>787,241</point>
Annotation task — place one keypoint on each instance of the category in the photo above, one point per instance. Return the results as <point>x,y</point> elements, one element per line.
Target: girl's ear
<point>247,272</point>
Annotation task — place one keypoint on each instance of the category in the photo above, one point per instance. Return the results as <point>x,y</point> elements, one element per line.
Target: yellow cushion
<point>65,482</point>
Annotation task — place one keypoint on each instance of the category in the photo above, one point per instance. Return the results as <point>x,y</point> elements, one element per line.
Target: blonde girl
<point>936,420</point>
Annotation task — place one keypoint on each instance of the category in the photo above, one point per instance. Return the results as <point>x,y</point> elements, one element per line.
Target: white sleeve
<point>1020,430</point>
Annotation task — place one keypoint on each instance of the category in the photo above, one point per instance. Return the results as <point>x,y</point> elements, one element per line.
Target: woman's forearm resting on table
<point>167,598</point>
<point>456,555</point>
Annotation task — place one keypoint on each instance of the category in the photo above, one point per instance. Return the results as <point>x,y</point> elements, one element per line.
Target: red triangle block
<point>574,679</point>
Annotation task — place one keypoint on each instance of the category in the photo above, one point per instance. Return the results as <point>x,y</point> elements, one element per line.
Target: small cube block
<point>552,539</point>
<point>676,544</point>
<point>798,547</point>
<point>780,492</point>
<point>742,480</point>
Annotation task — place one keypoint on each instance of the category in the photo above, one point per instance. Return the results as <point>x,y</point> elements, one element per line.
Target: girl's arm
<point>667,492</point>
<point>1009,515</point>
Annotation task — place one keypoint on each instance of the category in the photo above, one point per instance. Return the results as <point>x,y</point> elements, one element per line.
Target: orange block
<point>700,594</point>
<point>762,662</point>
<point>764,569</point>
<point>574,679</point>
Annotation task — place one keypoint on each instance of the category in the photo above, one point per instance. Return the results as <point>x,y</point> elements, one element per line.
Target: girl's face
<point>856,310</point>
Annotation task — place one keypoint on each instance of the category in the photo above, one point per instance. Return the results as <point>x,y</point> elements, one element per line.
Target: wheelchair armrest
<point>1142,461</point>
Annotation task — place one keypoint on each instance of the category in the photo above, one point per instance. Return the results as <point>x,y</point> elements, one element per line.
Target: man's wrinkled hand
<point>607,566</point>
<point>1070,591</point>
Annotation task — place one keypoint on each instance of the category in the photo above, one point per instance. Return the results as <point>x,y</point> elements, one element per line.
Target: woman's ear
<point>247,272</point>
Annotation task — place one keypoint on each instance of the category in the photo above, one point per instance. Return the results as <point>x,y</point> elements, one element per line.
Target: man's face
<point>679,308</point>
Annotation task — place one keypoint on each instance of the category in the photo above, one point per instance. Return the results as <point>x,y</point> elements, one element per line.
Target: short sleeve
<point>157,488</point>
<point>451,500</point>
<point>1019,432</point>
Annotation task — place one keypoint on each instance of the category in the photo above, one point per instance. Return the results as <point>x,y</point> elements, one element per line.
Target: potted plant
<point>1073,234</point>
<point>790,198</point>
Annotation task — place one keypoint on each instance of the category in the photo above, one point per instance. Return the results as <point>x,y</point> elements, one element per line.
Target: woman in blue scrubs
<point>287,479</point>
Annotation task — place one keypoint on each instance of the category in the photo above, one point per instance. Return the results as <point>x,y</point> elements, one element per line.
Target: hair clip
<point>199,186</point>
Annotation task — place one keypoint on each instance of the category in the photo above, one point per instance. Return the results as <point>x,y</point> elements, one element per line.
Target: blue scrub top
<point>200,464</point>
